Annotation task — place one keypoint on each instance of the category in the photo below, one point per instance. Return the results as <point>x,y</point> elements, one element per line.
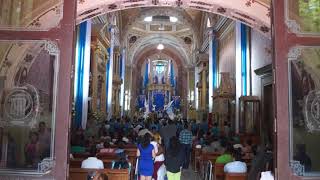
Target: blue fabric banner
<point>176,102</point>
<point>214,63</point>
<point>146,76</point>
<point>107,76</point>
<point>172,80</point>
<point>158,100</point>
<point>141,101</point>
<point>120,70</point>
<point>81,42</point>
<point>244,58</point>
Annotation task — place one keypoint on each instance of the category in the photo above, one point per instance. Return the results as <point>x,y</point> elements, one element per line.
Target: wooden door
<point>296,36</point>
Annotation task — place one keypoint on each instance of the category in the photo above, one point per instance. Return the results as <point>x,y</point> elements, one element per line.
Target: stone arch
<point>152,40</point>
<point>255,14</point>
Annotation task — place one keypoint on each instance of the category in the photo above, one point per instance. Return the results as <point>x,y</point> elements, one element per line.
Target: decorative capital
<point>297,168</point>
<point>52,47</point>
<point>46,165</point>
<point>294,53</point>
<point>293,26</point>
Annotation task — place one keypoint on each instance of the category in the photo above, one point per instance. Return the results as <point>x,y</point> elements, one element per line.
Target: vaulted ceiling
<point>180,35</point>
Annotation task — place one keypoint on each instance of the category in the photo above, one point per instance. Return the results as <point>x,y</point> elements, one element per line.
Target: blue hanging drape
<point>172,81</point>
<point>244,58</point>
<point>81,42</point>
<point>107,76</point>
<point>214,63</point>
<point>158,98</point>
<point>146,76</point>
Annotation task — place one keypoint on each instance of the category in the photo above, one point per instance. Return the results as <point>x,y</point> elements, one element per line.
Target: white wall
<point>260,56</point>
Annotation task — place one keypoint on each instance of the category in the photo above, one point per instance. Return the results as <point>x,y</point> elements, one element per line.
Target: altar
<point>159,86</point>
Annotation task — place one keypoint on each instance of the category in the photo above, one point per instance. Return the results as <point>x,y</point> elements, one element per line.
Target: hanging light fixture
<point>148,19</point>
<point>173,19</point>
<point>160,46</point>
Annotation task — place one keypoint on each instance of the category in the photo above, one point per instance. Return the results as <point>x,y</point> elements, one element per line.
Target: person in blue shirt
<point>185,138</point>
<point>194,127</point>
<point>215,130</point>
<point>146,153</point>
<point>204,126</point>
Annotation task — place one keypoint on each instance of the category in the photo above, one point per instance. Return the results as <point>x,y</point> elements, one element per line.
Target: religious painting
<point>304,100</point>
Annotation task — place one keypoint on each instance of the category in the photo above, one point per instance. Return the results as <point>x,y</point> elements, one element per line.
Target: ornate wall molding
<point>51,47</point>
<point>294,53</point>
<point>297,168</point>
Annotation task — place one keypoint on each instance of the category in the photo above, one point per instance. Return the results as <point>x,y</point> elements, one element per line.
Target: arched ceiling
<point>133,22</point>
<point>255,13</point>
<point>151,52</point>
<point>170,42</point>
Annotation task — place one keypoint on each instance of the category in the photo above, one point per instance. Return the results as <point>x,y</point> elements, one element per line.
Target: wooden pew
<point>76,163</point>
<point>81,155</point>
<point>235,176</point>
<point>195,158</point>
<point>113,174</point>
<point>218,171</point>
<point>204,158</point>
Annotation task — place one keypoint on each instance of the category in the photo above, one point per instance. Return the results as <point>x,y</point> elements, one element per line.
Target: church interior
<point>134,72</point>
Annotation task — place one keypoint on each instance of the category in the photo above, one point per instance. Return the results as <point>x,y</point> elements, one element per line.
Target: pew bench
<point>113,174</point>
<point>235,176</point>
<point>218,171</point>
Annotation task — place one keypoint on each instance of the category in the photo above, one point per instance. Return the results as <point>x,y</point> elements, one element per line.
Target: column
<point>213,80</point>
<point>82,73</point>
<point>122,76</point>
<point>204,89</point>
<point>197,93</point>
<point>242,77</point>
<point>110,72</point>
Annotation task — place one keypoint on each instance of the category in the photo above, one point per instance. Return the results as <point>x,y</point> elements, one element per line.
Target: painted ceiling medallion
<point>221,10</point>
<point>179,3</point>
<point>155,2</point>
<point>264,29</point>
<point>112,6</point>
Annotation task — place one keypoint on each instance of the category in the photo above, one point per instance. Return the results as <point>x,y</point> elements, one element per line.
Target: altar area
<point>159,87</point>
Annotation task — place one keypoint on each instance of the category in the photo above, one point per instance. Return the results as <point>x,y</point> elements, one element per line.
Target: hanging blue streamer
<point>214,63</point>
<point>120,71</point>
<point>79,76</point>
<point>107,76</point>
<point>172,81</point>
<point>146,76</point>
<point>244,58</point>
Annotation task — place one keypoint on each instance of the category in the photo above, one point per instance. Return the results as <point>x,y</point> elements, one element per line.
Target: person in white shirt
<point>236,166</point>
<point>159,159</point>
<point>92,162</point>
<point>267,175</point>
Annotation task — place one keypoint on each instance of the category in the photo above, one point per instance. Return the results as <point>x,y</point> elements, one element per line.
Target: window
<point>27,96</point>
<point>304,110</point>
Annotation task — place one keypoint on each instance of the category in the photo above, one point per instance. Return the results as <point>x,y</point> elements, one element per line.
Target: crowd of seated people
<point>237,157</point>
<point>164,146</point>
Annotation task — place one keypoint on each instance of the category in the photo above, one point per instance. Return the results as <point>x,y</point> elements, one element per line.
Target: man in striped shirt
<point>185,138</point>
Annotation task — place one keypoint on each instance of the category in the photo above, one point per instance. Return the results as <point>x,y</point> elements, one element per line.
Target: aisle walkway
<point>189,175</point>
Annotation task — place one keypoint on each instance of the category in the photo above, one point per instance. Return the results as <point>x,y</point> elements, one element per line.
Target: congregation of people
<point>165,147</point>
